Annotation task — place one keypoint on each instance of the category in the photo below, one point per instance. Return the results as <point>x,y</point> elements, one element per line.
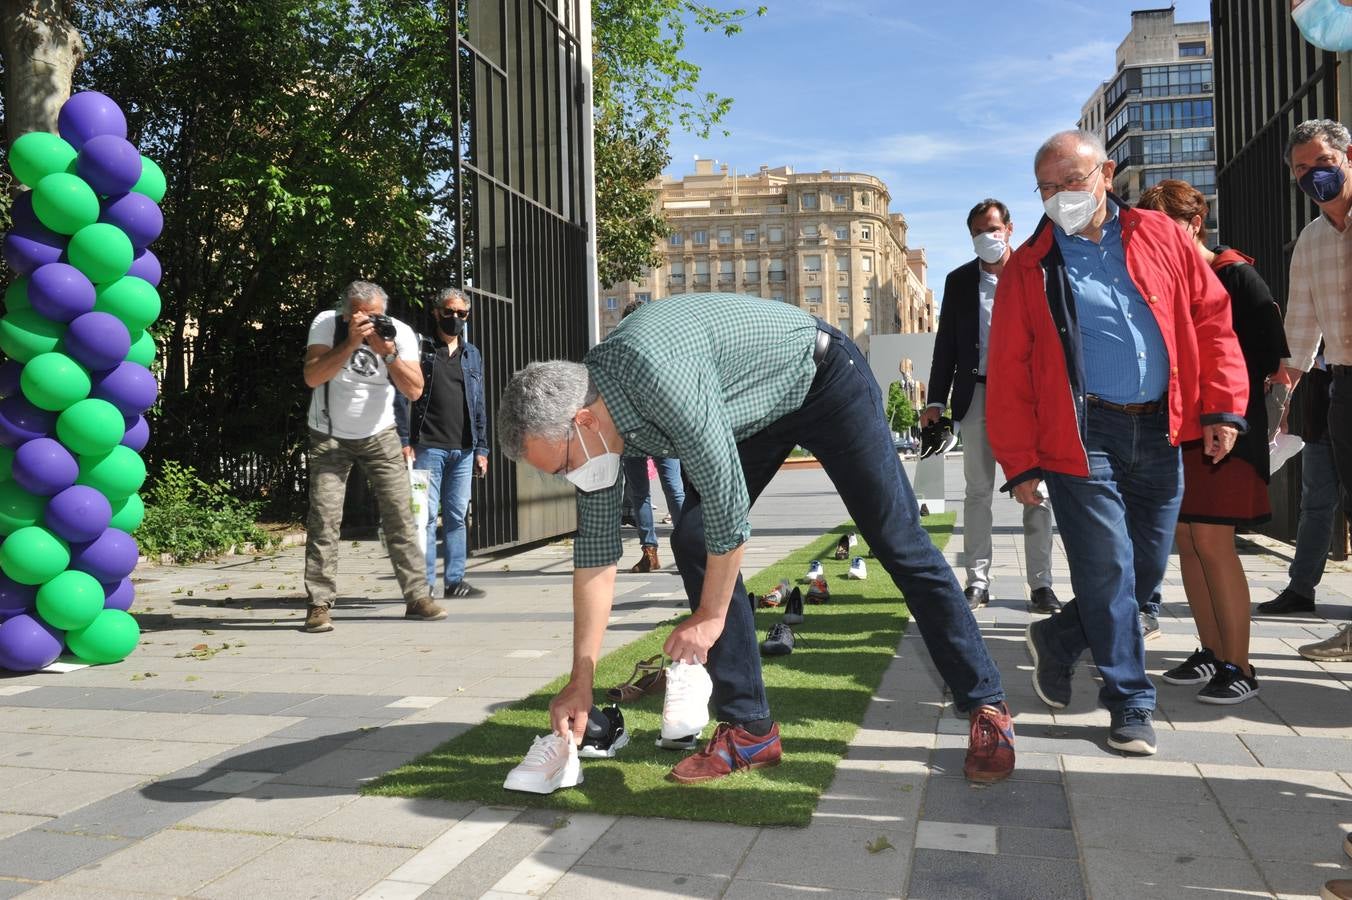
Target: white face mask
<point>598,472</point>
<point>990,246</point>
<point>1072,210</point>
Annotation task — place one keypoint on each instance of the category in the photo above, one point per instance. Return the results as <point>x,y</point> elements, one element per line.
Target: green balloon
<point>65,204</point>
<point>53,381</point>
<point>38,154</point>
<point>110,638</point>
<point>33,555</point>
<point>25,334</point>
<point>133,300</point>
<point>18,508</point>
<point>142,350</point>
<point>116,474</point>
<point>16,295</point>
<point>101,251</point>
<point>90,427</point>
<point>128,515</point>
<point>151,183</point>
<point>71,600</point>
<point>6,464</point>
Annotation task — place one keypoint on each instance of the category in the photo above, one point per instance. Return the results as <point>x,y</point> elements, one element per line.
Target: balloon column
<point>75,386</point>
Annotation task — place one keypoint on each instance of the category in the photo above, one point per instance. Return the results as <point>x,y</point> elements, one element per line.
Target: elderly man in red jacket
<point>1110,344</point>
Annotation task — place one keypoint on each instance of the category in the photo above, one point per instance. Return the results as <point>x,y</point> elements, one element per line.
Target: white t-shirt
<point>361,396</point>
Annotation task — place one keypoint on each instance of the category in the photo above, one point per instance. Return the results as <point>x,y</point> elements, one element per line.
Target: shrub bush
<point>190,519</point>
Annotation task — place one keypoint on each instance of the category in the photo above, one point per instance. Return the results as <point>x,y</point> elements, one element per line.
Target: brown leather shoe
<point>648,562</point>
<point>990,745</point>
<point>1338,889</point>
<point>423,609</point>
<point>317,620</point>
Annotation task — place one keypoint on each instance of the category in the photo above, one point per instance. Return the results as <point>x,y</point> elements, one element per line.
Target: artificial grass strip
<point>818,694</point>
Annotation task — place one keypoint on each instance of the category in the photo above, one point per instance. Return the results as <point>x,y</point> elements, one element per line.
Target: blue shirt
<point>1125,359</point>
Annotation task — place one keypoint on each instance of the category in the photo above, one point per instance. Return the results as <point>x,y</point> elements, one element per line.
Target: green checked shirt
<point>689,377</point>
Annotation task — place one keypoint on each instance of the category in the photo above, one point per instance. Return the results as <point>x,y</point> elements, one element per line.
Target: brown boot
<point>648,562</point>
<point>423,609</point>
<point>317,620</point>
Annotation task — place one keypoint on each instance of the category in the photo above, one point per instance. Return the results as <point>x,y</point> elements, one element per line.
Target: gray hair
<point>540,401</point>
<point>1312,130</point>
<point>362,291</point>
<point>447,294</point>
<point>1082,139</point>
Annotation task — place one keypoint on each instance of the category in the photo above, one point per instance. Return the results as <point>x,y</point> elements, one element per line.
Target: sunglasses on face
<point>445,314</point>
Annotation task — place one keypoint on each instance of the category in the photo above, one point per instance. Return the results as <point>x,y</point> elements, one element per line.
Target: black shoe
<point>1196,669</point>
<point>1133,731</point>
<point>793,608</point>
<point>1288,601</point>
<point>779,642</point>
<point>463,589</point>
<point>1150,626</point>
<point>1043,600</point>
<point>977,597</point>
<point>605,733</point>
<point>843,547</point>
<point>1230,685</point>
<point>689,742</point>
<point>1051,679</point>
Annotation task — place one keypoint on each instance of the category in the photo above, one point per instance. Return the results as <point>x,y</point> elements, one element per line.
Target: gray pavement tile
<point>181,701</point>
<point>346,768</point>
<point>1321,754</point>
<point>67,697</point>
<point>1135,778</point>
<point>743,889</point>
<point>397,821</point>
<point>589,882</point>
<point>12,823</point>
<point>57,793</point>
<point>10,888</point>
<point>667,845</point>
<point>1030,803</point>
<point>133,814</point>
<point>347,706</point>
<point>1028,766</point>
<point>851,800</point>
<point>1197,829</point>
<point>259,703</point>
<point>328,727</point>
<point>174,861</point>
<point>828,856</point>
<point>44,855</point>
<point>1299,835</point>
<point>64,890</point>
<point>1171,874</point>
<point>1298,879</point>
<point>1051,843</point>
<point>301,868</point>
<point>948,875</point>
<point>1242,787</point>
<point>498,856</point>
<point>272,754</point>
<point>271,809</point>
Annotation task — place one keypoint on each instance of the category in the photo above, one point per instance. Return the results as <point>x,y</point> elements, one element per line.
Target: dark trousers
<point>1340,429</point>
<point>842,422</point>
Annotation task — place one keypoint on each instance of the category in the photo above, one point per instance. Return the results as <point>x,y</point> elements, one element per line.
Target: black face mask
<point>451,325</point>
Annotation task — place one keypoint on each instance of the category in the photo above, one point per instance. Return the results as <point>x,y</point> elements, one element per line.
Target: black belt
<point>1130,409</point>
<point>980,379</point>
<point>823,344</point>
<point>1339,371</point>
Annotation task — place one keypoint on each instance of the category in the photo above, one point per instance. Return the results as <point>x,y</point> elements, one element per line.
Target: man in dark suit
<point>959,368</point>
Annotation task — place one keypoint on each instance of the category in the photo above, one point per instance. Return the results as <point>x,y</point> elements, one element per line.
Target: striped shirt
<point>689,377</point>
<point>1319,305</point>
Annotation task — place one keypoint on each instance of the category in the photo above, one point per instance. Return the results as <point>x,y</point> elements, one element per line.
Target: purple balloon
<point>119,596</point>
<point>9,378</point>
<point>16,599</point>
<point>130,387</point>
<point>138,434</point>
<point>43,467</point>
<point>146,265</point>
<point>21,421</point>
<point>137,215</point>
<point>109,557</point>
<point>60,292</point>
<point>21,214</point>
<point>110,164</point>
<point>87,115</point>
<point>78,514</point>
<point>98,341</point>
<point>28,644</point>
<point>27,250</point>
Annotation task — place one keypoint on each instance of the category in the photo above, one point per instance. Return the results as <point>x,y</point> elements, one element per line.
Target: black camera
<point>383,325</point>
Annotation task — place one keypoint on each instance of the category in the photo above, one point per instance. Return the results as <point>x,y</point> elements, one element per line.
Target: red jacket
<point>1035,367</point>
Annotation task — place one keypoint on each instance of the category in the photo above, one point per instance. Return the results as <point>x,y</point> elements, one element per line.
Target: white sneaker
<point>852,538</point>
<point>550,764</point>
<point>1283,447</point>
<point>858,569</point>
<point>814,570</point>
<point>685,710</point>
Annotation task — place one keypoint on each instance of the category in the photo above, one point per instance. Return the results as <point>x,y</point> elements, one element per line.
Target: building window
<point>868,295</point>
<point>812,263</point>
<point>725,272</point>
<point>866,263</point>
<point>777,296</point>
<point>843,310</point>
<point>700,237</point>
<point>842,232</point>
<point>751,291</point>
<point>776,270</point>
<point>676,275</point>
<point>846,327</point>
<point>751,270</point>
<point>701,273</point>
<point>810,231</point>
<point>810,201</point>
<point>812,296</point>
<point>750,236</point>
<point>612,303</point>
<point>676,239</point>
<point>776,234</point>
<point>843,294</point>
<point>1192,48</point>
<point>841,201</point>
<point>865,198</point>
<point>842,262</point>
<point>1203,178</point>
<point>725,237</point>
<point>865,232</point>
<point>868,326</point>
<point>643,298</point>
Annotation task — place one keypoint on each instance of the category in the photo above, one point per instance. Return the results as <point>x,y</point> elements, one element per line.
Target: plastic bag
<point>417,483</point>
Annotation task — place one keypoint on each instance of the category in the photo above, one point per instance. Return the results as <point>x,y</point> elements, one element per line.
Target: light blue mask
<point>1325,23</point>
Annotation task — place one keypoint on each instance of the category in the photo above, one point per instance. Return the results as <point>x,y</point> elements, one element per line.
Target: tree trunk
<point>41,49</point>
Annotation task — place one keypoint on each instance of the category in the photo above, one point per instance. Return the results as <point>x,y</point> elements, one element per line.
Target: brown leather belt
<point>1130,409</point>
<point>823,344</point>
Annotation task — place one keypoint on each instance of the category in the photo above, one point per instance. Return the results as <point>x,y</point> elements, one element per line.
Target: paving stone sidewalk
<point>223,758</point>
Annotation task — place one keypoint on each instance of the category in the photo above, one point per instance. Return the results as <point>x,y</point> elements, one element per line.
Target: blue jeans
<point>1118,528</point>
<point>448,483</point>
<point>637,486</point>
<point>841,421</point>
<point>1318,506</point>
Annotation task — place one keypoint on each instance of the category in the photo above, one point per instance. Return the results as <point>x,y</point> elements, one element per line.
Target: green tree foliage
<point>900,412</point>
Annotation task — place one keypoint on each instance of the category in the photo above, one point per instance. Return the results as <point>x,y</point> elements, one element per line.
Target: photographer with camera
<point>356,359</point>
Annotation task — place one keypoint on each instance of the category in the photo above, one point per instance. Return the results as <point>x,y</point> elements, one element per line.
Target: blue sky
<point>945,101</point>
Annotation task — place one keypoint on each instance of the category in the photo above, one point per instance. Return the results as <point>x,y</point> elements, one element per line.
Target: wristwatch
<point>389,358</point>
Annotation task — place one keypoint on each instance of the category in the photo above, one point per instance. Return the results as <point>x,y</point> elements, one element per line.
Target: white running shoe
<point>685,710</point>
<point>1283,447</point>
<point>550,764</point>
<point>858,569</point>
<point>852,538</point>
<point>814,570</point>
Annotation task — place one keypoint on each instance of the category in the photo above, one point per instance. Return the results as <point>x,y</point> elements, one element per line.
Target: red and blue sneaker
<point>732,748</point>
<point>990,745</point>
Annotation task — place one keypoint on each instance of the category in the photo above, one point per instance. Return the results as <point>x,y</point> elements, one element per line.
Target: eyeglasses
<point>452,314</point>
<point>1078,183</point>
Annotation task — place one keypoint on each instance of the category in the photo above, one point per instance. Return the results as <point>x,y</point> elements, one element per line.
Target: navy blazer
<point>957,346</point>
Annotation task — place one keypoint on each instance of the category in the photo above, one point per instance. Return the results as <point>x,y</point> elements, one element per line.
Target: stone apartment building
<point>824,241</point>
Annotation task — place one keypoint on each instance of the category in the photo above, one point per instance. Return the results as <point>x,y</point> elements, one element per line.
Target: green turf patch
<point>818,694</point>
